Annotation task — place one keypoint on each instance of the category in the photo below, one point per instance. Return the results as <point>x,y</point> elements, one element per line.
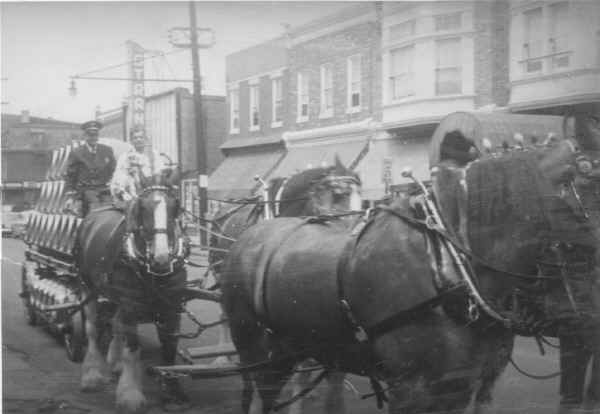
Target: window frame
<point>533,64</point>
<point>234,109</point>
<point>302,92</point>
<point>408,75</point>
<point>438,68</point>
<point>351,90</point>
<point>326,89</point>
<point>275,91</point>
<point>253,102</point>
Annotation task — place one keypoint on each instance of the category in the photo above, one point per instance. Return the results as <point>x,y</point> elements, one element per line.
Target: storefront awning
<point>313,155</point>
<point>234,177</point>
<point>389,157</point>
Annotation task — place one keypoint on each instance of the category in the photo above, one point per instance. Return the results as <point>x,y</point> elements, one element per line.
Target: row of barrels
<point>52,231</point>
<point>49,226</point>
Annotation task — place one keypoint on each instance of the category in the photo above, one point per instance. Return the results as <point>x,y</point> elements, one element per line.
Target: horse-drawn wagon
<point>491,249</point>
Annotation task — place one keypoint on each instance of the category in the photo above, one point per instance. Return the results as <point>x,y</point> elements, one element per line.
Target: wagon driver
<point>133,166</point>
<point>89,169</point>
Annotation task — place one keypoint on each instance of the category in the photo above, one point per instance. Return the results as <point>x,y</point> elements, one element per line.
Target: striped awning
<point>313,155</point>
<point>234,177</point>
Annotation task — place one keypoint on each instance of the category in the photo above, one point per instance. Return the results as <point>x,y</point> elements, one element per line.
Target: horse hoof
<point>93,381</point>
<point>131,402</point>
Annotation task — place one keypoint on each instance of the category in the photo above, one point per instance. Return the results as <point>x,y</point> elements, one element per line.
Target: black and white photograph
<point>300,207</point>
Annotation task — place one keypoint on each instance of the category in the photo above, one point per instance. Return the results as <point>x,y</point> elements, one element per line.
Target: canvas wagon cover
<point>496,127</point>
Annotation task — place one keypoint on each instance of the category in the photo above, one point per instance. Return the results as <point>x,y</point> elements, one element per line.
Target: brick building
<point>257,81</point>
<point>372,82</point>
<point>27,144</point>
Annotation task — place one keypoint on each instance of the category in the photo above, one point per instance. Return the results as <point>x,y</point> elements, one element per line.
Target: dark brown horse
<point>136,261</point>
<point>580,345</point>
<point>397,301</point>
<point>323,190</point>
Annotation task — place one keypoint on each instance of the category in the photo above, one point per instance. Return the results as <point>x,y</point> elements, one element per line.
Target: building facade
<point>257,116</point>
<point>555,57</point>
<point>27,144</point>
<point>372,82</point>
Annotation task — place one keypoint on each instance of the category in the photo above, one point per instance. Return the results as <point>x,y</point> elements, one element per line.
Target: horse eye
<point>584,166</point>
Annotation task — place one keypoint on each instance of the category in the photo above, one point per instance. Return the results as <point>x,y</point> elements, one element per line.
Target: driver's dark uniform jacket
<point>88,173</point>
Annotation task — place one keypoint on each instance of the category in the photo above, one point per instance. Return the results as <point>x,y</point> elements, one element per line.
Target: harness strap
<point>405,316</point>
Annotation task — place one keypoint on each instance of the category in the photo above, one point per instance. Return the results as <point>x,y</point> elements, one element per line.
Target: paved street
<point>37,377</point>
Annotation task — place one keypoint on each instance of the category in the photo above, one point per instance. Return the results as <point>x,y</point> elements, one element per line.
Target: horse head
<point>155,236</point>
<point>323,190</point>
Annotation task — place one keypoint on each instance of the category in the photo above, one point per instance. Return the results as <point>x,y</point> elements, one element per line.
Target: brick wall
<point>362,39</point>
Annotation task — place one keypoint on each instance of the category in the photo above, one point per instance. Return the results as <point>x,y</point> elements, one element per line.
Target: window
<point>559,42</point>
<point>401,72</point>
<point>448,73</point>
<point>354,83</point>
<point>277,103</point>
<point>254,108</point>
<point>534,44</point>
<point>302,97</point>
<point>444,22</point>
<point>326,90</point>
<point>234,107</point>
<point>402,30</point>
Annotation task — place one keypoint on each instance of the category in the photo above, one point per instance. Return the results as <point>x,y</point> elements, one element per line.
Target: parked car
<point>14,224</point>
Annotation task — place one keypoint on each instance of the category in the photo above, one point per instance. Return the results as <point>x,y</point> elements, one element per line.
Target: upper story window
<point>448,71</point>
<point>277,104</point>
<point>354,83</point>
<point>326,90</point>
<point>445,22</point>
<point>234,111</point>
<point>302,97</point>
<point>402,30</point>
<point>401,72</point>
<point>559,36</point>
<point>533,48</point>
<point>254,108</point>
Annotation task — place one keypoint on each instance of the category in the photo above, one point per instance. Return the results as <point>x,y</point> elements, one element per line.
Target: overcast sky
<point>45,43</point>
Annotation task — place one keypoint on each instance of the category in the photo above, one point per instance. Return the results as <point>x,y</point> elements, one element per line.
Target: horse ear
<point>339,166</point>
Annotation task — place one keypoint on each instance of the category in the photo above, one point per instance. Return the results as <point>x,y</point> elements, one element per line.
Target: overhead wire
<point>128,62</point>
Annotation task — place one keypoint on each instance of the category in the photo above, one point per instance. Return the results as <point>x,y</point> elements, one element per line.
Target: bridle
<point>134,256</point>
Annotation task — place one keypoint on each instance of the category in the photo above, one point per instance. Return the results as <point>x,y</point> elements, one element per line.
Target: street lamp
<point>72,88</point>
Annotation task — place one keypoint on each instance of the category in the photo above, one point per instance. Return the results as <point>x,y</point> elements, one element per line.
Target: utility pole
<point>208,39</point>
<point>200,141</point>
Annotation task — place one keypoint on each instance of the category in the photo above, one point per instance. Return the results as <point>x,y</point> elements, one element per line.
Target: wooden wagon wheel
<point>29,311</point>
<point>74,337</point>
